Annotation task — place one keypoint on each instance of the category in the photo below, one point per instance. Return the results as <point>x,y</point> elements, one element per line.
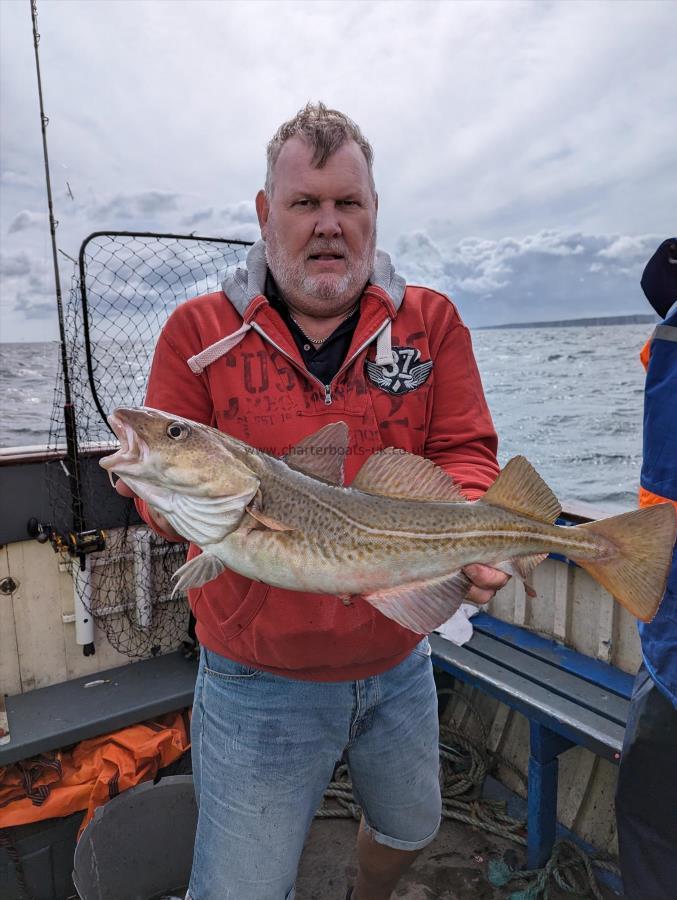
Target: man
<point>317,329</point>
<point>646,797</point>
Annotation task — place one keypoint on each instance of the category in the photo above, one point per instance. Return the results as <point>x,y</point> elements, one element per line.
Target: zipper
<point>325,387</point>
<point>359,350</point>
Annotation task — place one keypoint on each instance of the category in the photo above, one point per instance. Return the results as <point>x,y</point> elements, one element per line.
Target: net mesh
<point>123,288</point>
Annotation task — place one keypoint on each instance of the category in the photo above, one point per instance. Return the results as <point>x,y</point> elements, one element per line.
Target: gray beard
<point>319,294</point>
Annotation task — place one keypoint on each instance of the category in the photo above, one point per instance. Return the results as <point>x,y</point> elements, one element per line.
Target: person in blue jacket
<point>646,796</point>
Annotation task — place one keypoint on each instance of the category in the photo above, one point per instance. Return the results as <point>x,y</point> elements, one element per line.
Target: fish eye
<point>177,431</point>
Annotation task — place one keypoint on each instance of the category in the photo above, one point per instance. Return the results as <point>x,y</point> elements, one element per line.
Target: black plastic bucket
<point>139,845</point>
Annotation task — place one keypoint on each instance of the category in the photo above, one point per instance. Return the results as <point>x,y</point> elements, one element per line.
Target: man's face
<point>319,226</point>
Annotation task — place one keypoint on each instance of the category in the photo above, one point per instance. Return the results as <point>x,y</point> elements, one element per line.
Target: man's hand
<point>485,582</point>
<point>162,523</point>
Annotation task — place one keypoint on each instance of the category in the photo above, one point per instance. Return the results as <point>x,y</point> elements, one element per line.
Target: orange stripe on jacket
<point>647,498</point>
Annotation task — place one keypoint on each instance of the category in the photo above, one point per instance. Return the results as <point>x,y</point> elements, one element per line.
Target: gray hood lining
<point>243,284</point>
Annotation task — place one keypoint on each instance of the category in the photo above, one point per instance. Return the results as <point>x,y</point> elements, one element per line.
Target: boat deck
<point>453,867</point>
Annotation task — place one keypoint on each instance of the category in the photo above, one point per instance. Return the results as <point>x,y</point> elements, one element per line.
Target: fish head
<point>162,455</point>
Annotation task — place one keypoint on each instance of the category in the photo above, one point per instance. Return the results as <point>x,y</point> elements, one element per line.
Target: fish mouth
<point>133,451</point>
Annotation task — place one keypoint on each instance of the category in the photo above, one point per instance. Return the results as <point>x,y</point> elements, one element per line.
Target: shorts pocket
<point>246,611</point>
<point>227,669</point>
<point>423,648</point>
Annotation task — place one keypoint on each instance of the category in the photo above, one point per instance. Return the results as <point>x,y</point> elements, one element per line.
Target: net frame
<point>84,293</point>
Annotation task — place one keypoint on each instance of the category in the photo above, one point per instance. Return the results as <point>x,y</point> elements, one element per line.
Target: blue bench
<point>568,698</point>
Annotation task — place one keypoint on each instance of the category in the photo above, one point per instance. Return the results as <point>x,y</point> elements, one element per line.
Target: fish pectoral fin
<point>397,473</point>
<point>522,567</point>
<point>321,454</point>
<point>267,521</point>
<point>520,489</point>
<point>196,572</point>
<point>423,605</point>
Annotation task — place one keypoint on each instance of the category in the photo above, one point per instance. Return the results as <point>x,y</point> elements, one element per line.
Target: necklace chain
<point>318,341</point>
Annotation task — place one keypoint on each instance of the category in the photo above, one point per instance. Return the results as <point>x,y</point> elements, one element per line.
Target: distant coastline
<point>636,319</point>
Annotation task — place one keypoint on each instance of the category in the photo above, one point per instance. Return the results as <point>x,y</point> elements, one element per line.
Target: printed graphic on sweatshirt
<point>404,374</point>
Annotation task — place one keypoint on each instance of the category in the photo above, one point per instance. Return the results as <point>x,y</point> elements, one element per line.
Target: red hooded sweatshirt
<point>409,380</point>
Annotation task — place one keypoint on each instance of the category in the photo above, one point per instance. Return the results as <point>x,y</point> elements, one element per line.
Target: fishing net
<point>124,286</point>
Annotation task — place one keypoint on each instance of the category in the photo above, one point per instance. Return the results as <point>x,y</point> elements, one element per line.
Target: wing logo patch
<point>404,374</point>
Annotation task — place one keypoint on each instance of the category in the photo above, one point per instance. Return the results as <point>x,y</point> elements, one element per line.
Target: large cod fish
<point>398,535</point>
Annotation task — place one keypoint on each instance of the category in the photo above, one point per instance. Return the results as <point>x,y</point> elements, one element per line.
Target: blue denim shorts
<point>265,749</point>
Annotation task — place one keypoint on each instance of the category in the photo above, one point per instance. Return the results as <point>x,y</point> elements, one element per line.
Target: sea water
<point>569,399</point>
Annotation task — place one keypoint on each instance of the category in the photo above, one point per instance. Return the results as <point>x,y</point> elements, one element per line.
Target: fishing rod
<point>79,541</point>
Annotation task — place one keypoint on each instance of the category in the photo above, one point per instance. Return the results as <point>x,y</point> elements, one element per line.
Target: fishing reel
<point>75,543</point>
<point>83,542</point>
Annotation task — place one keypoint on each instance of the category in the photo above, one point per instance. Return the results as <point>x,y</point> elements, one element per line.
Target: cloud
<point>144,204</point>
<point>547,275</point>
<point>35,297</point>
<point>27,219</point>
<point>236,220</point>
<point>169,211</point>
<point>624,247</point>
<point>469,139</point>
<point>197,217</point>
<point>16,265</point>
<point>28,285</point>
<point>15,179</point>
<point>36,309</point>
<point>242,213</point>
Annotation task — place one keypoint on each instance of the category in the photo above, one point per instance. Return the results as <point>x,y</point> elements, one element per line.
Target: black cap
<point>659,280</point>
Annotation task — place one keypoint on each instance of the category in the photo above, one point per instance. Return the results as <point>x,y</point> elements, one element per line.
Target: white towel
<point>458,629</point>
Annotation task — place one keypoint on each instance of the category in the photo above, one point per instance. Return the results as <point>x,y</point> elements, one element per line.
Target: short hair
<point>325,130</point>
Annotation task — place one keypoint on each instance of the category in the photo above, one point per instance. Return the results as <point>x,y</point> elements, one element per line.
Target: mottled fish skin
<point>292,524</point>
<point>344,541</point>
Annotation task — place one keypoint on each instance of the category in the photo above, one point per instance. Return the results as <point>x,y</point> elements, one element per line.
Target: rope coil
<point>464,765</point>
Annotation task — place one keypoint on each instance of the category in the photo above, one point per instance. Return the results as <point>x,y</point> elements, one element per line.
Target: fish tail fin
<point>636,574</point>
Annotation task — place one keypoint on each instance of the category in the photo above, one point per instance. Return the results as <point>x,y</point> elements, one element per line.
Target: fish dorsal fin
<point>519,488</point>
<point>322,453</point>
<point>396,473</point>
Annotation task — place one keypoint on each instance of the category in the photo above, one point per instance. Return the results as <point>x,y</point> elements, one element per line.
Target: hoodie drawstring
<point>384,350</point>
<point>206,357</point>
<point>199,362</point>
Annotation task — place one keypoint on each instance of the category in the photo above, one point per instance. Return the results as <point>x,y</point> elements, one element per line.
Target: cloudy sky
<point>525,151</point>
